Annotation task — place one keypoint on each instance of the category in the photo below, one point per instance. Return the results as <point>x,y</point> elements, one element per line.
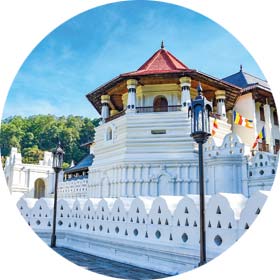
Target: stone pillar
<point>131,99</point>
<point>268,127</point>
<point>221,107</point>
<point>105,99</point>
<point>185,83</point>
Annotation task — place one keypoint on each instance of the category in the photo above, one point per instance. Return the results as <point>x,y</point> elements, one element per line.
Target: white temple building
<point>143,145</point>
<point>134,197</point>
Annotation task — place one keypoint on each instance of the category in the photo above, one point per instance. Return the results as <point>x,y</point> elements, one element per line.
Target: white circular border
<point>24,24</point>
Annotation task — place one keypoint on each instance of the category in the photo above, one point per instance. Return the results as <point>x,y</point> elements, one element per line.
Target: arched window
<point>39,188</point>
<point>109,134</point>
<point>160,104</point>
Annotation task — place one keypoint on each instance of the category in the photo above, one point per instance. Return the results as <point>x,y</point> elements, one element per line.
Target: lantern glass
<point>207,119</point>
<point>58,157</point>
<point>200,114</point>
<point>198,118</point>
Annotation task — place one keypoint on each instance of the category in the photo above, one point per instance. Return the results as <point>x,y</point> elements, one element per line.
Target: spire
<point>162,45</point>
<point>241,67</point>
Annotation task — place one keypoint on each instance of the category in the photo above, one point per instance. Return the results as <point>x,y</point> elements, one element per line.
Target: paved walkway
<point>108,267</point>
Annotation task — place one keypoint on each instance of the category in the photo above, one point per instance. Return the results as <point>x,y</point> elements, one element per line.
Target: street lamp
<point>200,131</point>
<point>57,166</point>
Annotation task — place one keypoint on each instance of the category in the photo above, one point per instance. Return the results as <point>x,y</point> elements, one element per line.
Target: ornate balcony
<point>152,109</point>
<point>147,109</point>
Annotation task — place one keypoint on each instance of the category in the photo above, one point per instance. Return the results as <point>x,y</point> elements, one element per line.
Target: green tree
<point>32,155</point>
<point>38,133</point>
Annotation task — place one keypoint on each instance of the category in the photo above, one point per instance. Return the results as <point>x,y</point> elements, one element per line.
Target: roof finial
<point>162,45</point>
<point>241,67</point>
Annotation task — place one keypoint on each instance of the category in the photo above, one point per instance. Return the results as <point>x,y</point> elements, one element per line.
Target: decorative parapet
<point>167,220</point>
<point>231,145</point>
<point>263,164</point>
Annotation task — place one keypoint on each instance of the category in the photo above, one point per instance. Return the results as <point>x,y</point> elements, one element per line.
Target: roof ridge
<point>152,58</point>
<point>254,76</point>
<point>170,60</point>
<point>175,58</point>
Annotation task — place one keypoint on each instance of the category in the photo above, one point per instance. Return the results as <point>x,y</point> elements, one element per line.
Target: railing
<point>147,109</point>
<point>115,116</point>
<point>152,109</point>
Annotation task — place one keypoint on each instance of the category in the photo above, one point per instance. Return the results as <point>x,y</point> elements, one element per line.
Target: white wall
<point>155,233</point>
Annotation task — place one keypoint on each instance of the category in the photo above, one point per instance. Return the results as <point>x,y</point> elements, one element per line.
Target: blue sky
<point>95,46</point>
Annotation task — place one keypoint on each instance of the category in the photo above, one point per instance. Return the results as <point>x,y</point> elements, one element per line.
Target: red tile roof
<point>161,62</point>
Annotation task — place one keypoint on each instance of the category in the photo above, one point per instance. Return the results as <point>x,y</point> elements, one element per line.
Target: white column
<point>131,99</point>
<point>105,99</point>
<point>185,83</point>
<point>221,107</point>
<point>268,127</point>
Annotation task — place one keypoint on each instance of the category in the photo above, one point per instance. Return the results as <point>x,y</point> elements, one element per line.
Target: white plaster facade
<point>135,161</point>
<point>24,179</point>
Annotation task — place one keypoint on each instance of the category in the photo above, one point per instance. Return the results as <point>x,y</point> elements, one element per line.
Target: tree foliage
<point>35,134</point>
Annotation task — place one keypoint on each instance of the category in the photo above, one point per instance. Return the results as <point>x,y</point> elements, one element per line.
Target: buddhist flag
<point>215,127</point>
<point>261,135</point>
<point>238,119</point>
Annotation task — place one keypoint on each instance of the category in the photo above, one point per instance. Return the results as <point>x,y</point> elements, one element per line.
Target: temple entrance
<point>39,188</point>
<point>160,104</point>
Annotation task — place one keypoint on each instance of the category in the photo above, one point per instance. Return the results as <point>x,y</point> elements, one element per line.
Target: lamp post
<point>57,166</point>
<point>200,111</point>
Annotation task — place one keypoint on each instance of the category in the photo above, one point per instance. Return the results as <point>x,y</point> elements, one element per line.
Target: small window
<point>109,134</point>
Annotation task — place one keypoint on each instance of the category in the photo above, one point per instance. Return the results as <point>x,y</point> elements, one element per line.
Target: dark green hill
<point>35,134</point>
